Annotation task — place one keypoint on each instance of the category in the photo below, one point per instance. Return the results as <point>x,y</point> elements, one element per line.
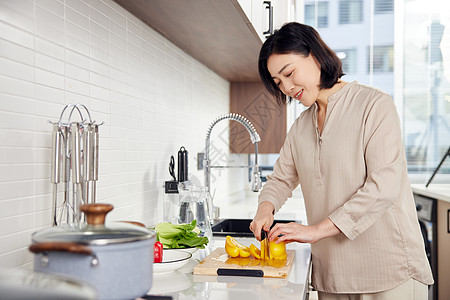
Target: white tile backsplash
<point>49,63</point>
<point>54,6</point>
<point>52,34</point>
<point>153,98</point>
<point>15,17</point>
<point>50,49</point>
<point>16,35</point>
<point>16,52</point>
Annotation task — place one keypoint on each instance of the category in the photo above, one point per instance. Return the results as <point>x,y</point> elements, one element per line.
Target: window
<point>384,6</point>
<point>322,14</point>
<point>350,11</point>
<point>425,78</point>
<point>349,60</point>
<point>418,78</point>
<point>383,59</point>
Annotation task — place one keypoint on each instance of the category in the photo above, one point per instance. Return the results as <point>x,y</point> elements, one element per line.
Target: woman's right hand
<point>263,219</point>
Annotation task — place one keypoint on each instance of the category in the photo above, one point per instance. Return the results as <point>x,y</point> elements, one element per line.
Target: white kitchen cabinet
<point>267,16</point>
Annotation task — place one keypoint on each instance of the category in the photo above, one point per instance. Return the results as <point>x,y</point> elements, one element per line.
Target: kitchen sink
<point>238,227</point>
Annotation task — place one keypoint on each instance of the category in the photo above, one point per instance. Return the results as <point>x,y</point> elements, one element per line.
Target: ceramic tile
<point>76,32</point>
<point>79,46</point>
<point>15,258</point>
<point>77,18</point>
<point>17,53</point>
<point>16,18</point>
<point>48,18</point>
<point>98,31</point>
<point>54,35</point>
<point>11,225</point>
<point>16,70</point>
<point>49,63</point>
<point>16,35</point>
<point>15,241</point>
<point>49,78</point>
<point>75,72</point>
<point>23,7</point>
<point>76,86</point>
<point>48,48</point>
<point>116,13</point>
<point>79,6</point>
<point>77,59</point>
<point>100,18</point>
<point>54,6</point>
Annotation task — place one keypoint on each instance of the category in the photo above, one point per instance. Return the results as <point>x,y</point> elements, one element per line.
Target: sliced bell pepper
<point>255,252</point>
<point>235,249</point>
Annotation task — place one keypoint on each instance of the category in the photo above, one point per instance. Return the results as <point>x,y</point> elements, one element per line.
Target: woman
<point>346,152</point>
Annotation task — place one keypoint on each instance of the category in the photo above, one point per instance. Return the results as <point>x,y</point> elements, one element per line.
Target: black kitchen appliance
<point>426,212</point>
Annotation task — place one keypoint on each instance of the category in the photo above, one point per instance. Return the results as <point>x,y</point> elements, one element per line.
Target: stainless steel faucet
<point>256,175</point>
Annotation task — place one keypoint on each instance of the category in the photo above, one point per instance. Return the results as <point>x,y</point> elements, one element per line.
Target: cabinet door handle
<point>270,8</point>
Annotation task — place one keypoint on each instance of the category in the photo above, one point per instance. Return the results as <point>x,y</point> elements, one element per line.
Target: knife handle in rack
<point>240,272</point>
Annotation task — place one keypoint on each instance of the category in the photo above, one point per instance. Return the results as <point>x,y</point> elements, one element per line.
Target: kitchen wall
<point>151,95</point>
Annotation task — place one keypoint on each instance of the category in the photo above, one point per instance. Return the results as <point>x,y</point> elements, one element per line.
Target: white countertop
<point>183,285</point>
<point>438,191</point>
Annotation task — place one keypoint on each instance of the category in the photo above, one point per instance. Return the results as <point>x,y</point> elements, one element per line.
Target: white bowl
<point>172,261</point>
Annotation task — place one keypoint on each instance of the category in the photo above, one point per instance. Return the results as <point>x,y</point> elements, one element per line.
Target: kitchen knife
<point>265,236</point>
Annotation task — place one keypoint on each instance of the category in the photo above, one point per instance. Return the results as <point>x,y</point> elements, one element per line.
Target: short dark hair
<point>300,39</point>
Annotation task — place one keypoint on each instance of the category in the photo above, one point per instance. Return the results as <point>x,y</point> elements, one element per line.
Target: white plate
<point>172,261</point>
<point>191,250</point>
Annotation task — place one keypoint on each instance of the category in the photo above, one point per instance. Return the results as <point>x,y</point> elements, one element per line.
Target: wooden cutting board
<point>219,259</point>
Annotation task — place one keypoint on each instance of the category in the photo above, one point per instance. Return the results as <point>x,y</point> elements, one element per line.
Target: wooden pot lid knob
<point>96,212</point>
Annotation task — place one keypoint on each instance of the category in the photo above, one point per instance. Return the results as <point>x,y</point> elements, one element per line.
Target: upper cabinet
<point>266,16</point>
<point>218,33</point>
<point>215,32</point>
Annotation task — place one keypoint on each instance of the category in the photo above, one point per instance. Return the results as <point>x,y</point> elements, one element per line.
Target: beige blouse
<point>355,174</point>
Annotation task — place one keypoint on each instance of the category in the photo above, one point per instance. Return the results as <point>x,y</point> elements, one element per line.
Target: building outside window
<point>384,6</point>
<point>383,59</point>
<point>349,60</point>
<point>350,11</point>
<point>322,14</point>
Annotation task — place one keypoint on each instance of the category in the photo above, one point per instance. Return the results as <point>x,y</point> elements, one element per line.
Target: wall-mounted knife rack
<point>74,164</point>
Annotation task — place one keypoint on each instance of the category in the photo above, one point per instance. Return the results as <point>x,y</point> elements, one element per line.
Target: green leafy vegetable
<point>180,235</point>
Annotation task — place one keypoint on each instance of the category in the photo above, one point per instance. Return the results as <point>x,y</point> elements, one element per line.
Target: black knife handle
<point>240,272</point>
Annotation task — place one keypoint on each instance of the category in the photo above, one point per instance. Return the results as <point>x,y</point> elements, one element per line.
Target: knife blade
<point>265,236</point>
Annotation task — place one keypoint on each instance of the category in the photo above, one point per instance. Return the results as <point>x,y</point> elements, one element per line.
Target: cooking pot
<point>116,258</point>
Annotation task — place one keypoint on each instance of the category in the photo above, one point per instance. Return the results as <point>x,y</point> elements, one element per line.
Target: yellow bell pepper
<point>277,251</point>
<point>255,252</point>
<point>235,249</point>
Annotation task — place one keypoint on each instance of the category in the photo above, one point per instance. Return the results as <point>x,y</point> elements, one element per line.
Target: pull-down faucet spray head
<point>256,174</point>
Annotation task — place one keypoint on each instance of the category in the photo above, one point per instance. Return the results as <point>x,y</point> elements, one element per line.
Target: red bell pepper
<point>157,252</point>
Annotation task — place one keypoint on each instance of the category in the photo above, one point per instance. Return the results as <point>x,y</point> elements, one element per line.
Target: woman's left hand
<point>294,232</point>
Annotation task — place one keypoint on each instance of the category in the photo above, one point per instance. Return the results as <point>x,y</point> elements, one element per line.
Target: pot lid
<point>96,231</point>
